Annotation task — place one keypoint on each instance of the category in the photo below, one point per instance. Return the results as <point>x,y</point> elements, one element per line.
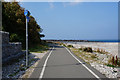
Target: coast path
<point>61,63</point>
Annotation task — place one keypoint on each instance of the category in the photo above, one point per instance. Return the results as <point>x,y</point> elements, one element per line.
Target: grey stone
<point>9,49</point>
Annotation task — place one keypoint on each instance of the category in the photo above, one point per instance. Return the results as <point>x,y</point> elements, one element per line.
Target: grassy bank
<point>39,48</point>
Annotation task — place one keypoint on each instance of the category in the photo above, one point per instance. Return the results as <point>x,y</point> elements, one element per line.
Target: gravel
<point>111,48</point>
<point>18,69</point>
<point>107,71</point>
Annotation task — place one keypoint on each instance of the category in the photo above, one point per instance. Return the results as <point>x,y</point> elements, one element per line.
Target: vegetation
<point>70,46</point>
<point>39,48</point>
<point>86,56</point>
<point>85,53</point>
<point>62,44</point>
<point>113,61</point>
<point>110,65</point>
<point>86,49</point>
<point>13,21</point>
<point>100,51</point>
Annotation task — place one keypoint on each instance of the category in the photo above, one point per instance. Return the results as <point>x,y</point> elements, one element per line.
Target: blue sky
<point>80,20</point>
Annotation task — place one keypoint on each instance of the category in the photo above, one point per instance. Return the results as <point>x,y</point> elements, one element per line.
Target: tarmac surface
<point>61,64</point>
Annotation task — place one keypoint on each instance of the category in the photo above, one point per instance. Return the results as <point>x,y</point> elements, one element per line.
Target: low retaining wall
<point>9,50</point>
<point>5,37</point>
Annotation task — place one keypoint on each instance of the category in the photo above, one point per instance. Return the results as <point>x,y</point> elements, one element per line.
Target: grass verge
<point>39,48</point>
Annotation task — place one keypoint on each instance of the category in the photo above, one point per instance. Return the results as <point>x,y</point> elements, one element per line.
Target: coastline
<point>110,47</point>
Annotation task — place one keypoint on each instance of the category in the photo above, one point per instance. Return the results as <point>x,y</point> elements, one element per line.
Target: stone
<point>9,49</point>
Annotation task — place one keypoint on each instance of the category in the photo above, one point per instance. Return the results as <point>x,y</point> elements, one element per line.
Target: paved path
<point>61,63</point>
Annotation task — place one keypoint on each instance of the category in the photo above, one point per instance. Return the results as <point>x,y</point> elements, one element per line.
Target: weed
<point>100,51</point>
<point>93,56</point>
<point>114,61</point>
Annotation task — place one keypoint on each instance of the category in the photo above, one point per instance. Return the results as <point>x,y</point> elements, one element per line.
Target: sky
<point>63,0</point>
<point>76,20</point>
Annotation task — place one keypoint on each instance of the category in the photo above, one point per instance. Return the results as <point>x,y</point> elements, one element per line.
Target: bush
<point>101,51</point>
<point>88,49</point>
<point>110,65</point>
<point>80,48</point>
<point>118,61</point>
<point>114,61</point>
<point>14,37</point>
<point>70,46</point>
<point>93,56</point>
<point>64,45</point>
<point>98,50</point>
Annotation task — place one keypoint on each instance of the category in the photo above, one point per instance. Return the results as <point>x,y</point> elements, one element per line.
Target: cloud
<point>72,3</point>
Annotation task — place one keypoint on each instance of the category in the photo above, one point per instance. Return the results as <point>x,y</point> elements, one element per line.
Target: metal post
<point>26,42</point>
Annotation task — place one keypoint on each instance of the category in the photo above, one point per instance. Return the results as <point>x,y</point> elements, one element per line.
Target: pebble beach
<point>110,47</point>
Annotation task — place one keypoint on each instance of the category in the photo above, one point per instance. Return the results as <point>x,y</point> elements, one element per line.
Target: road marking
<point>83,65</point>
<point>43,69</point>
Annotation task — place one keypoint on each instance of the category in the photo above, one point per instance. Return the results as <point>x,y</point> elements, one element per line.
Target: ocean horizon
<point>104,40</point>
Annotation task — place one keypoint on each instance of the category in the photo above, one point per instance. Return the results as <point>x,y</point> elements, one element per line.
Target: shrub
<point>88,49</point>
<point>98,50</point>
<point>93,56</point>
<point>70,46</point>
<point>110,65</point>
<point>118,62</point>
<point>101,51</point>
<point>14,37</point>
<point>80,48</point>
<point>64,45</point>
<point>114,61</point>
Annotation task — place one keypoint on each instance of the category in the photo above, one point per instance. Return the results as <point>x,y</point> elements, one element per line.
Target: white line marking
<point>83,65</point>
<point>43,69</point>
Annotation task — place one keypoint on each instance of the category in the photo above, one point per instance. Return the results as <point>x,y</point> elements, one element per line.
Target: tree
<point>13,21</point>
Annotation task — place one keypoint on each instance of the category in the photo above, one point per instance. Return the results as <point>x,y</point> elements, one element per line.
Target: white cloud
<point>72,3</point>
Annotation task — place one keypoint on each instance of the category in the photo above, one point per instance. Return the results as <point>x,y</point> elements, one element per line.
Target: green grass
<point>39,48</point>
<point>110,65</point>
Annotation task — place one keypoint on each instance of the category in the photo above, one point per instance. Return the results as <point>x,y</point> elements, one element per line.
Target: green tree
<point>13,21</point>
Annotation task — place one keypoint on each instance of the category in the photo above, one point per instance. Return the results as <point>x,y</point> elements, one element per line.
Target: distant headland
<point>83,40</point>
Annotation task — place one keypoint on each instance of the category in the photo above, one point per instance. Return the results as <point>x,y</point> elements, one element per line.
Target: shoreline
<point>111,47</point>
<point>114,41</point>
<point>99,60</point>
